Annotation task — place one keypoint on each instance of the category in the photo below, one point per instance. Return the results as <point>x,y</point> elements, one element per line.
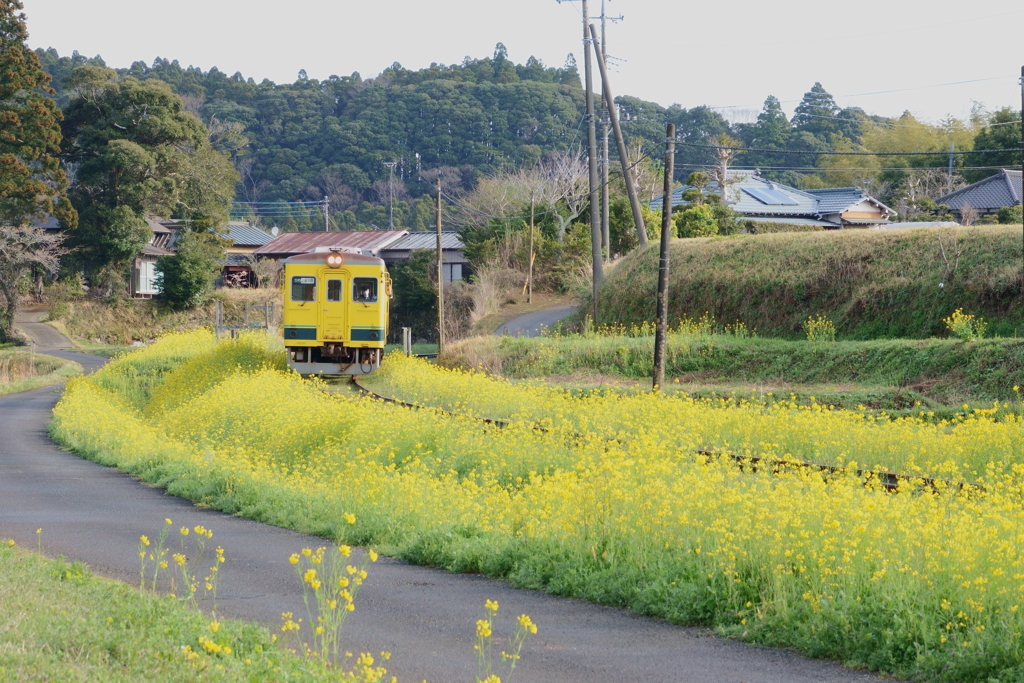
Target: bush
<point>186,279</point>
<point>696,220</point>
<point>1010,215</point>
<point>965,326</point>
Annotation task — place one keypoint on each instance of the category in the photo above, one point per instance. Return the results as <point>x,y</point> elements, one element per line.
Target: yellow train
<point>336,305</point>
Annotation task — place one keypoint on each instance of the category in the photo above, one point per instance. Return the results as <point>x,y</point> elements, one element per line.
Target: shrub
<point>696,220</point>
<point>965,326</point>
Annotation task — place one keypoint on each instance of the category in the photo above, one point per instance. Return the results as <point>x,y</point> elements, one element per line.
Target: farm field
<point>611,503</point>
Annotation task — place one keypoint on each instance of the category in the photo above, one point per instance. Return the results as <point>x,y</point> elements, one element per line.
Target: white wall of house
<point>147,278</point>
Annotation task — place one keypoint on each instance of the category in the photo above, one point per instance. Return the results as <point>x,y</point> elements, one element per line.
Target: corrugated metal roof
<point>427,240</point>
<point>246,235</point>
<point>304,242</point>
<point>990,194</point>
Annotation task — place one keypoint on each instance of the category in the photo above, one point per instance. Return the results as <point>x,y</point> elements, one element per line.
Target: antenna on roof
<point>274,231</point>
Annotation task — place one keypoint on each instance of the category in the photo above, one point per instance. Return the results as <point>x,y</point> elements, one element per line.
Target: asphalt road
<point>425,617</point>
<point>530,324</point>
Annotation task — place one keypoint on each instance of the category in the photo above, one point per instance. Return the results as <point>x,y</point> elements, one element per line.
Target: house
<point>456,265</point>
<point>390,245</point>
<point>761,200</point>
<point>142,284</point>
<point>246,239</point>
<point>988,195</point>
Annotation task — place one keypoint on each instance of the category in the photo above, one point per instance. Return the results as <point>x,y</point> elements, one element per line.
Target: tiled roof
<point>757,198</point>
<point>427,240</point>
<point>246,235</point>
<point>369,241</point>
<point>990,194</point>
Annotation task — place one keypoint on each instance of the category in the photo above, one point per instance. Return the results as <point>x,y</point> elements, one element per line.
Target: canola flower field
<point>609,502</point>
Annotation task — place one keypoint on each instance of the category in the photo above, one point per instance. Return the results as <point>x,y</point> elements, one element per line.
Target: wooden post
<point>440,275</point>
<point>620,145</point>
<point>660,334</point>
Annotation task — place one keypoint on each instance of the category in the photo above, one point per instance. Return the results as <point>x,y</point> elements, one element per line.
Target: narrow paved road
<point>531,324</point>
<point>425,617</point>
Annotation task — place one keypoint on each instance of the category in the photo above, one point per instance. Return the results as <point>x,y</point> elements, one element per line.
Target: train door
<point>333,320</point>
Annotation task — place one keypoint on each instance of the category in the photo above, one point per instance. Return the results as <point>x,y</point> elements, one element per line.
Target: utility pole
<point>620,145</point>
<point>529,277</point>
<point>595,219</point>
<point>327,206</point>
<point>391,194</point>
<point>1022,154</point>
<point>949,178</point>
<point>440,274</point>
<point>661,332</point>
<point>606,235</point>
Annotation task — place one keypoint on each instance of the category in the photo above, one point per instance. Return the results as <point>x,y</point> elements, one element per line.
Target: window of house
<point>364,290</point>
<point>303,288</point>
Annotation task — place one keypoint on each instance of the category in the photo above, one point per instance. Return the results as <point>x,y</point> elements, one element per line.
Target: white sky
<point>673,49</point>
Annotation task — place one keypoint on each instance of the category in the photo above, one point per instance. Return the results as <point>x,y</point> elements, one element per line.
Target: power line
<point>859,154</point>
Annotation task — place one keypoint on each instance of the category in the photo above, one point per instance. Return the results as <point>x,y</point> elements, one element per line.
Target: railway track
<point>889,481</point>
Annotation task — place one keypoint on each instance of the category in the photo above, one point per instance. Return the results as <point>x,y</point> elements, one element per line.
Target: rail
<point>890,481</point>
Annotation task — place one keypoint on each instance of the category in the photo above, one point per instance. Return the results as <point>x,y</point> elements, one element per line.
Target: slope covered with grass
<point>871,283</point>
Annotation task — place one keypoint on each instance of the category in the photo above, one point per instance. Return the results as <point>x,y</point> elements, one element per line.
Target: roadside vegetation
<point>64,623</point>
<point>613,501</point>
<point>24,370</point>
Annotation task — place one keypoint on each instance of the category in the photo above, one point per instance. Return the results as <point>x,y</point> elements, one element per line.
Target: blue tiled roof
<point>755,197</point>
<point>246,235</point>
<point>990,194</point>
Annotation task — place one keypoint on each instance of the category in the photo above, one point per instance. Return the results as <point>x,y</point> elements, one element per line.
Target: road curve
<point>531,324</point>
<point>425,617</point>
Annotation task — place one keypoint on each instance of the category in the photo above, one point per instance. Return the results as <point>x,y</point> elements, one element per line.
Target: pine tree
<point>816,113</point>
<point>32,183</point>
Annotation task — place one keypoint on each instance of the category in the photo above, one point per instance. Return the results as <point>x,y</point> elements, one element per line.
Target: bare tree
<point>21,250</point>
<point>251,179</point>
<point>968,214</point>
<point>724,156</point>
<point>266,270</point>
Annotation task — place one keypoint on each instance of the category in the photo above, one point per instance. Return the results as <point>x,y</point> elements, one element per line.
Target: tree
<point>1002,132</point>
<point>816,113</point>
<point>771,131</point>
<point>32,183</point>
<point>696,220</point>
<point>185,279</point>
<point>137,151</point>
<point>22,248</point>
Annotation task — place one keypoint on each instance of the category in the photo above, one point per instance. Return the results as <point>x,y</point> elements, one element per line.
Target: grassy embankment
<point>23,370</point>
<point>611,503</point>
<point>883,374</point>
<point>871,283</point>
<point>62,623</point>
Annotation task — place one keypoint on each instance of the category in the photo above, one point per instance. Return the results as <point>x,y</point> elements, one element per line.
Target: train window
<point>364,290</point>
<point>303,288</point>
<point>334,290</point>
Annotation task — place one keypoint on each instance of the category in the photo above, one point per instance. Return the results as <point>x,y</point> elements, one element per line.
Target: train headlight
<point>335,260</point>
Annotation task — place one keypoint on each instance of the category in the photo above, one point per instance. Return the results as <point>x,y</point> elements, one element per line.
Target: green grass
<point>417,349</point>
<point>871,283</point>
<point>23,371</point>
<point>59,622</point>
<point>883,374</point>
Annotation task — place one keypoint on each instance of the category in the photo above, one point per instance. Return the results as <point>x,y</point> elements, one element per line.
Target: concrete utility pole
<point>595,219</point>
<point>391,194</point>
<point>440,274</point>
<point>1022,153</point>
<point>529,277</point>
<point>327,206</point>
<point>949,178</point>
<point>606,235</point>
<point>620,145</point>
<point>661,332</point>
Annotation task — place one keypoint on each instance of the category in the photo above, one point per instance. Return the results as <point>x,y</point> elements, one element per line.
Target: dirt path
<point>425,617</point>
<point>531,324</point>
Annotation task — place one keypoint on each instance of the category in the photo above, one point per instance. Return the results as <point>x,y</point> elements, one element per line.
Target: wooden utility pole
<point>529,277</point>
<point>595,219</point>
<point>440,274</point>
<point>661,332</point>
<point>620,145</point>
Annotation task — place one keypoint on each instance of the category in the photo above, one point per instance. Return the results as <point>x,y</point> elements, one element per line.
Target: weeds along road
<point>425,617</point>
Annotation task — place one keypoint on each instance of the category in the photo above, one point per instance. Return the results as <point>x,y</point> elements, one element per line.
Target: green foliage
<point>186,278</point>
<point>415,301</point>
<point>32,184</point>
<point>1010,215</point>
<point>764,228</point>
<point>965,325</point>
<point>137,152</point>
<point>696,220</point>
<point>1000,133</point>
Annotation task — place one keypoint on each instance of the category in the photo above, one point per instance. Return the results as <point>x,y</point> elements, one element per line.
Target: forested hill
<point>310,138</point>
